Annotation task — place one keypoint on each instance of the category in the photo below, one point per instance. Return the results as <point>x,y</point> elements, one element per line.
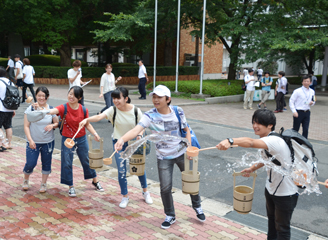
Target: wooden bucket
<point>243,195</point>
<point>96,155</point>
<point>137,162</point>
<point>190,178</point>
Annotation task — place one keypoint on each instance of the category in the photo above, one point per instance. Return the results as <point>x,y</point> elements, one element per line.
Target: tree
<point>135,27</point>
<point>57,23</point>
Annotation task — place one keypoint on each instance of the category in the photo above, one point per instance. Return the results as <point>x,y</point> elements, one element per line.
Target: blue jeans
<point>109,101</point>
<point>142,87</point>
<point>279,210</point>
<point>82,148</point>
<point>32,156</point>
<point>165,171</point>
<point>121,169</point>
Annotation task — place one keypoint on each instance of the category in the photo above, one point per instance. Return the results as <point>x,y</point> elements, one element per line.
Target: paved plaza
<point>96,215</point>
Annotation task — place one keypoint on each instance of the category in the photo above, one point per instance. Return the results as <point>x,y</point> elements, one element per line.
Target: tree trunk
<point>65,55</point>
<point>196,51</point>
<point>232,71</point>
<point>311,61</point>
<point>168,53</point>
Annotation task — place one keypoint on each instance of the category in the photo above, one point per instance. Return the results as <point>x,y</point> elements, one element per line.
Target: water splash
<point>298,171</point>
<point>155,138</point>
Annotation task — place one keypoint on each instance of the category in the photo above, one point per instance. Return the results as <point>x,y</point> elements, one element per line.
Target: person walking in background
<point>107,86</point>
<point>11,67</point>
<point>143,79</point>
<point>266,83</point>
<point>124,117</point>
<point>28,80</point>
<point>300,102</point>
<point>280,91</point>
<point>74,115</point>
<point>314,81</point>
<point>250,89</point>
<point>259,74</point>
<point>40,140</point>
<point>19,72</point>
<point>245,73</point>
<point>74,76</point>
<point>6,115</point>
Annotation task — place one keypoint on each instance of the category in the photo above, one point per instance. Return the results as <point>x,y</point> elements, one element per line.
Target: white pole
<point>203,41</point>
<point>155,45</point>
<point>178,45</point>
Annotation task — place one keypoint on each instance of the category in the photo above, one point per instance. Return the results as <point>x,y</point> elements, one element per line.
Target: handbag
<point>243,87</point>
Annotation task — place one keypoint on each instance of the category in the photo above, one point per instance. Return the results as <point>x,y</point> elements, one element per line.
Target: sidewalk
<point>96,215</point>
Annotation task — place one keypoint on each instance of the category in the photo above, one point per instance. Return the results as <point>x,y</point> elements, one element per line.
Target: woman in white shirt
<point>28,81</point>
<point>125,120</point>
<point>107,86</point>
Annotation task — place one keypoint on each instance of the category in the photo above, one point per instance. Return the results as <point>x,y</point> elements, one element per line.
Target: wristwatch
<point>230,141</point>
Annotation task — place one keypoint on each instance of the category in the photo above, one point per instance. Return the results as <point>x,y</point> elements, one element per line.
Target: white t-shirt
<point>278,148</point>
<point>3,93</point>
<point>282,82</point>
<point>124,121</point>
<point>250,85</point>
<point>11,63</point>
<point>142,71</point>
<point>71,74</point>
<point>108,82</point>
<point>245,71</point>
<point>38,134</point>
<point>28,71</point>
<point>19,65</point>
<point>167,124</point>
<point>259,71</point>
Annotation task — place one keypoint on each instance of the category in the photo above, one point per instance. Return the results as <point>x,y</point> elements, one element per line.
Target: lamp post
<point>203,41</point>
<point>155,45</point>
<point>178,45</point>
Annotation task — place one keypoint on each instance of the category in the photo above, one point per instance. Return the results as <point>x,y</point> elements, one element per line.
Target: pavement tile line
<point>54,215</point>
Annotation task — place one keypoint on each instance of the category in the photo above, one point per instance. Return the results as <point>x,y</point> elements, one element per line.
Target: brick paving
<point>93,215</point>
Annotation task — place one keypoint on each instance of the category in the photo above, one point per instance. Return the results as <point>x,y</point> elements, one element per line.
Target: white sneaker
<point>147,197</point>
<point>124,202</point>
<point>25,185</point>
<point>43,188</point>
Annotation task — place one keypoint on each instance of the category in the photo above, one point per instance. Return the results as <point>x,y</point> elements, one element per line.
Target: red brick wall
<point>212,55</point>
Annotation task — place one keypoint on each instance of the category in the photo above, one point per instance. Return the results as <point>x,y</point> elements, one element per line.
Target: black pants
<point>30,86</point>
<point>304,119</point>
<point>280,101</point>
<point>142,87</point>
<point>279,210</point>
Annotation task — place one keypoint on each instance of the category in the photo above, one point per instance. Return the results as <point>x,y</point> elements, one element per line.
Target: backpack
<point>148,143</point>
<point>194,140</point>
<point>12,99</point>
<point>300,149</point>
<point>61,121</point>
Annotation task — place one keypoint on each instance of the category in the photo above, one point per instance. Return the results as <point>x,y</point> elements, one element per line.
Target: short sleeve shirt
<point>71,74</point>
<point>167,124</point>
<point>250,85</point>
<point>38,134</point>
<point>19,65</point>
<point>278,184</point>
<point>28,71</point>
<point>72,120</point>
<point>124,121</point>
<point>266,81</point>
<point>142,71</point>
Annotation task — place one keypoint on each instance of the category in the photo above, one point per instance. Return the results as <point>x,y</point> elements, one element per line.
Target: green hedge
<point>3,62</point>
<point>96,72</point>
<point>215,88</point>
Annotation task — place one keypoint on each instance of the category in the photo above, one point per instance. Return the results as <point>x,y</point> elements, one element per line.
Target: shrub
<point>215,88</point>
